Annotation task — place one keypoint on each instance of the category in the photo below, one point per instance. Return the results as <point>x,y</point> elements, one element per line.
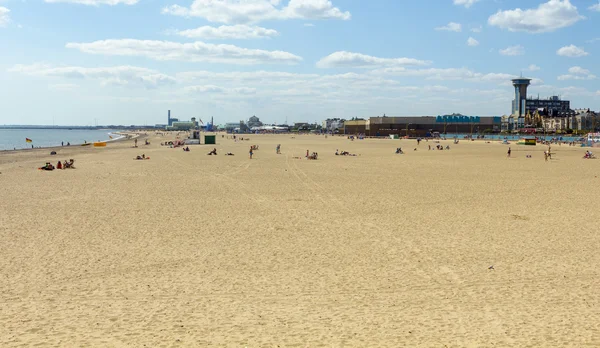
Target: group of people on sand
<point>440,147</point>
<point>589,155</point>
<point>60,165</point>
<point>344,153</point>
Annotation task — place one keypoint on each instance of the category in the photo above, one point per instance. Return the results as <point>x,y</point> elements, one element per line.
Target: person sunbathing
<point>213,152</point>
<point>229,154</point>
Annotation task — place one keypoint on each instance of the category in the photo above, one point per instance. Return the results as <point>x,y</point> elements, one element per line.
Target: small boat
<point>100,144</point>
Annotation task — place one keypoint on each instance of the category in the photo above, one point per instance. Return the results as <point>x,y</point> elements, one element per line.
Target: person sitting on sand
<point>213,152</point>
<point>48,166</point>
<point>59,165</point>
<point>337,153</point>
<point>447,147</point>
<point>313,156</point>
<point>186,149</point>
<point>399,151</point>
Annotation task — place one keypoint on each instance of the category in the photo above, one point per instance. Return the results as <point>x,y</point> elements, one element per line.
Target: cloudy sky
<point>128,61</point>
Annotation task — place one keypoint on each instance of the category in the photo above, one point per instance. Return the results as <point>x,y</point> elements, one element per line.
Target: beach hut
<point>530,141</point>
<point>210,139</point>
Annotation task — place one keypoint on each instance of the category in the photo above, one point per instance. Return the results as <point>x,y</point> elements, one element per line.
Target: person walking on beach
<point>251,153</point>
<point>509,151</point>
<point>278,149</point>
<point>135,142</point>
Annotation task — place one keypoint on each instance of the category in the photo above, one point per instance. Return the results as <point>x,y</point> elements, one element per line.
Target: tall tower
<point>169,117</point>
<point>519,107</point>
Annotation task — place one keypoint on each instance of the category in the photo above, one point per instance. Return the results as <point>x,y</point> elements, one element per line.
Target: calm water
<point>15,138</point>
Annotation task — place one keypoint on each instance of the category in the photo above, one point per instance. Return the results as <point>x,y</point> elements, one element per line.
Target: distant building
<point>175,124</point>
<point>423,125</point>
<point>333,124</point>
<point>231,126</point>
<point>354,127</point>
<point>553,106</point>
<point>254,122</point>
<point>171,120</point>
<point>181,126</point>
<point>519,103</point>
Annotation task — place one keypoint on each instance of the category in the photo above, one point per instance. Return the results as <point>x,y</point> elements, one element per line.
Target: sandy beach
<point>459,248</point>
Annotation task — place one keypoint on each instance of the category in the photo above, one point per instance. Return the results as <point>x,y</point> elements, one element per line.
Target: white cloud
<point>598,92</point>
<point>447,74</point>
<point>578,70</point>
<point>571,51</point>
<point>575,77</point>
<point>4,17</point>
<point>191,52</point>
<point>465,3</point>
<point>577,73</point>
<point>217,89</point>
<point>238,31</point>
<point>547,17</point>
<point>253,11</point>
<point>452,26</point>
<point>117,75</point>
<point>309,25</point>
<point>95,2</point>
<point>517,50</point>
<point>357,60</point>
<point>533,67</point>
<point>472,42</point>
<point>595,7</point>
<point>478,29</point>
<point>593,40</point>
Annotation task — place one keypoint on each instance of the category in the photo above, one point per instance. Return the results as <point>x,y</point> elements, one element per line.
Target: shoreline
<point>122,137</point>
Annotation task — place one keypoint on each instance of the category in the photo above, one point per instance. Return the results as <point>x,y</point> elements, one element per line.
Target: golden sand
<point>376,250</point>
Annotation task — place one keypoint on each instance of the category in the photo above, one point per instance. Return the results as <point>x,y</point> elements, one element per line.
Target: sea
<point>14,138</point>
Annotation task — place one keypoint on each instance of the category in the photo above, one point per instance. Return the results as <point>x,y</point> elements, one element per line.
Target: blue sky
<point>127,61</point>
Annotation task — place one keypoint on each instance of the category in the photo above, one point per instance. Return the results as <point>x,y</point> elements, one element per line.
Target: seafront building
<point>425,125</point>
<point>529,115</point>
